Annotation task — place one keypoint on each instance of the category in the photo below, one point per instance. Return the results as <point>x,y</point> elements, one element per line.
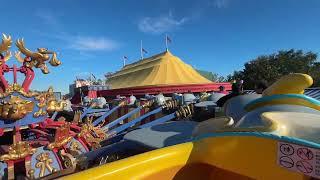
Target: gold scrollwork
<point>18,150</point>
<point>60,143</point>
<point>30,174</point>
<point>62,137</point>
<point>15,108</point>
<point>93,135</point>
<point>75,148</point>
<point>44,163</point>
<point>68,160</point>
<point>17,88</point>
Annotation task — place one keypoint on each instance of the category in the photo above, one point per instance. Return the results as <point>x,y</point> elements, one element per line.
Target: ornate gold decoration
<point>62,137</point>
<point>170,104</point>
<point>93,135</point>
<point>7,56</point>
<point>44,163</point>
<point>58,144</point>
<point>47,102</point>
<point>38,59</point>
<point>17,88</point>
<point>47,99</point>
<point>4,47</point>
<point>204,96</point>
<point>184,111</point>
<point>75,148</point>
<point>76,117</point>
<point>30,174</point>
<point>29,171</point>
<point>6,43</point>
<point>68,160</point>
<point>147,104</point>
<point>18,150</point>
<point>15,108</point>
<point>53,105</point>
<point>39,113</point>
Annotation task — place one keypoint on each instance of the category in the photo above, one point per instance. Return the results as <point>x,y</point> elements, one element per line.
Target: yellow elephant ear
<point>294,83</point>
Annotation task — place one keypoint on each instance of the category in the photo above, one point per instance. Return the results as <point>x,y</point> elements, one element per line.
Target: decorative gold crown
<point>15,108</point>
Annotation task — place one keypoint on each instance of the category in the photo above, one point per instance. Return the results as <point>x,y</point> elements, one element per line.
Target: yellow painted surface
<point>290,84</point>
<point>139,166</point>
<point>245,157</point>
<point>161,69</point>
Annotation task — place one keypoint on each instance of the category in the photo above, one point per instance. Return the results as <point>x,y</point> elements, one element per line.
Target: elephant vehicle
<point>268,136</point>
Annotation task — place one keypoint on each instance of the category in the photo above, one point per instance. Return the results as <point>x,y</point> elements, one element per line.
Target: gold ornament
<point>18,150</point>
<point>69,161</point>
<point>39,58</point>
<point>44,163</point>
<point>48,103</point>
<point>75,148</point>
<point>62,137</point>
<point>6,43</point>
<point>15,108</point>
<point>87,131</point>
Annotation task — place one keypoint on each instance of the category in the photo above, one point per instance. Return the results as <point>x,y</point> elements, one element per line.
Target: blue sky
<point>214,35</point>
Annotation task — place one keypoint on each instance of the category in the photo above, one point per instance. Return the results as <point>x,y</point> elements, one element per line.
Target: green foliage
<point>271,67</point>
<point>214,77</point>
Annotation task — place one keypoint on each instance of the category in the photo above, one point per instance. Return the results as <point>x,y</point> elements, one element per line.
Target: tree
<point>221,79</point>
<point>272,67</point>
<point>214,77</point>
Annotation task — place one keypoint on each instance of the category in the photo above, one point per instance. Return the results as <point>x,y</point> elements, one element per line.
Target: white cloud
<point>161,24</point>
<point>47,17</point>
<point>220,3</point>
<point>83,43</point>
<point>80,42</point>
<point>93,44</point>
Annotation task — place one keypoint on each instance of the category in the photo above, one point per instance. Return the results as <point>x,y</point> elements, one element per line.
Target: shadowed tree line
<point>269,68</point>
<point>214,77</point>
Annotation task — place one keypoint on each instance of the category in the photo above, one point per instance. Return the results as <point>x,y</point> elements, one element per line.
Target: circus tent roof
<point>158,70</point>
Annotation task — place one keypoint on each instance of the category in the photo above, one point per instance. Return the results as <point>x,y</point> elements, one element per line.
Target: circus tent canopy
<point>158,70</point>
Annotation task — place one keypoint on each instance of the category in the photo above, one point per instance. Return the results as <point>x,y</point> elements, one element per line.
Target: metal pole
<point>167,42</point>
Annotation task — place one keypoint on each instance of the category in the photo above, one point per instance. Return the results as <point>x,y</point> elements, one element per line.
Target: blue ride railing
<point>104,116</point>
<point>136,110</point>
<point>182,112</point>
<point>117,121</point>
<point>159,121</point>
<point>135,121</point>
<point>85,112</point>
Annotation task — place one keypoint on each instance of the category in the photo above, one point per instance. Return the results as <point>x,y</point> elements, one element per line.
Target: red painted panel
<point>165,89</point>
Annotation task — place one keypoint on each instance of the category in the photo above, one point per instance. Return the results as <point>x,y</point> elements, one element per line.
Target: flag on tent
<point>143,50</point>
<point>93,76</point>
<point>125,58</point>
<point>168,39</point>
